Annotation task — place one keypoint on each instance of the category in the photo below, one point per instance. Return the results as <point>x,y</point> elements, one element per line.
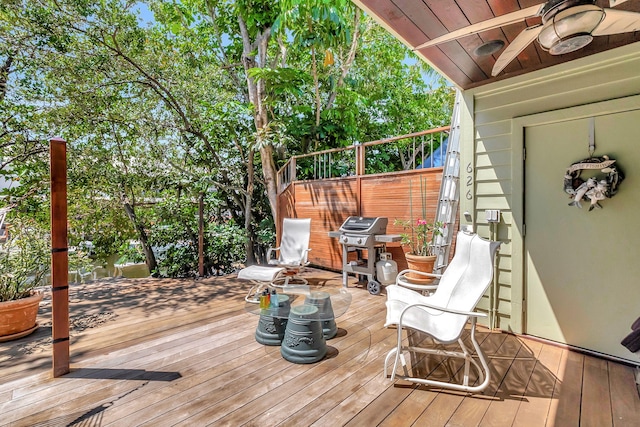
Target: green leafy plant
<point>419,235</point>
<point>225,247</point>
<point>130,253</point>
<point>177,260</point>
<point>24,260</point>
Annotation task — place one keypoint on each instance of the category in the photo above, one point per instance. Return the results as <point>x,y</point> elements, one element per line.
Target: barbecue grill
<point>359,234</point>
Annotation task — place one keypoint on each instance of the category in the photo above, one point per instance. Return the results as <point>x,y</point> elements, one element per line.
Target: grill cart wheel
<point>373,287</point>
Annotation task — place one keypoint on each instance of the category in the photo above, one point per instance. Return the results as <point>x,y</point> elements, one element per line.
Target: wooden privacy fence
<point>328,199</point>
<point>399,153</point>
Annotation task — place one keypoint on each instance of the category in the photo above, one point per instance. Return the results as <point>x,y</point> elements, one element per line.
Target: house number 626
<point>469,195</point>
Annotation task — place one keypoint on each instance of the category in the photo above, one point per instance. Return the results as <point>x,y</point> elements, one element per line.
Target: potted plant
<point>24,262</point>
<point>419,236</point>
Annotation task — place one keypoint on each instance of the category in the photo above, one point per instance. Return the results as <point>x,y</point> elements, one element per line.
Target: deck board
<point>500,351</point>
<point>626,409</point>
<point>539,389</point>
<point>567,395</point>
<point>596,410</point>
<point>182,352</point>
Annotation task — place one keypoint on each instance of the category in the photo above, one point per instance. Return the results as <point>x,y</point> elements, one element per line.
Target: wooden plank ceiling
<point>417,21</point>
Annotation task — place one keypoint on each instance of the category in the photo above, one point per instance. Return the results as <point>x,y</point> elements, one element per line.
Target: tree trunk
<point>4,76</point>
<point>346,66</point>
<point>257,95</point>
<point>316,85</point>
<point>150,257</point>
<point>247,208</point>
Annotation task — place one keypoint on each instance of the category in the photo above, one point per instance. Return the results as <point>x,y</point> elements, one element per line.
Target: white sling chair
<point>444,314</point>
<point>293,250</point>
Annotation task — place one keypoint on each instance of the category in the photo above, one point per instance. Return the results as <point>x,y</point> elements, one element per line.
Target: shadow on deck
<point>182,352</point>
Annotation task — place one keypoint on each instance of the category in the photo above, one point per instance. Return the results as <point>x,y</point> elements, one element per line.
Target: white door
<point>582,268</point>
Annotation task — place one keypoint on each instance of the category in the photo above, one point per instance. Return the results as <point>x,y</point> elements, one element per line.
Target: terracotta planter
<point>420,263</point>
<point>18,318</point>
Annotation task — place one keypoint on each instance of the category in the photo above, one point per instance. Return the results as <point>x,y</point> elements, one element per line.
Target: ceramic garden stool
<point>322,300</point>
<point>270,330</point>
<point>303,338</point>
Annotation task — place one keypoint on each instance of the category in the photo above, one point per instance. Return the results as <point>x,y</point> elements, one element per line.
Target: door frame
<point>518,125</point>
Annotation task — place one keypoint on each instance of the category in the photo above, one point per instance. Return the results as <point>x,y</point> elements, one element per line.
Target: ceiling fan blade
<point>489,24</point>
<point>613,3</point>
<point>617,21</point>
<point>518,44</point>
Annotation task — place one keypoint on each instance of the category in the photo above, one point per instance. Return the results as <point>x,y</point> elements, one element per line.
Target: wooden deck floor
<point>172,352</point>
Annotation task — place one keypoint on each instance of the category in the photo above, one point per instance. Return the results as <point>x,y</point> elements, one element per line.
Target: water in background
<point>110,269</point>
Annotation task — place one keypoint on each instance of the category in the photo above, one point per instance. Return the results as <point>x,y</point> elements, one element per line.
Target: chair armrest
<point>405,282</point>
<point>421,273</point>
<point>270,251</point>
<point>442,309</point>
<point>304,260</point>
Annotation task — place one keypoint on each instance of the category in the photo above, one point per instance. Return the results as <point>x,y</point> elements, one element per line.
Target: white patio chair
<point>293,250</point>
<point>444,314</point>
<point>262,277</point>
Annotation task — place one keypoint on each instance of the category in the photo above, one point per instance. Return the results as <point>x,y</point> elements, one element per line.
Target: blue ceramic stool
<point>303,338</point>
<point>270,330</point>
<point>322,300</point>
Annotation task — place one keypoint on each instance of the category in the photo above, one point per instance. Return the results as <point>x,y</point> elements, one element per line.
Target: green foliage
<point>161,112</point>
<point>419,234</point>
<point>24,260</point>
<point>258,14</point>
<point>266,233</point>
<point>130,253</point>
<point>225,247</point>
<point>177,260</point>
<point>281,81</point>
<point>174,238</point>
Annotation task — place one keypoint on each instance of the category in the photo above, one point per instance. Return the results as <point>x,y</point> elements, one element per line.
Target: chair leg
<point>398,355</point>
<point>289,278</point>
<point>485,373</point>
<point>257,287</point>
<point>482,368</point>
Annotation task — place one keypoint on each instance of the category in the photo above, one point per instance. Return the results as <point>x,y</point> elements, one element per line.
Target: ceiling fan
<point>567,25</point>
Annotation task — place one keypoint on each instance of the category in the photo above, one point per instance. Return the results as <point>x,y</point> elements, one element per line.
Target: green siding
<point>492,140</point>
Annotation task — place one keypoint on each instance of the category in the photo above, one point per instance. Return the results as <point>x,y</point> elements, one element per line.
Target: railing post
<point>59,257</point>
<point>292,174</point>
<point>359,160</point>
<point>201,235</point>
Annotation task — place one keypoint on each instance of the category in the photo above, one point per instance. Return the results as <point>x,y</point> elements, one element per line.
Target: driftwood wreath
<point>602,186</point>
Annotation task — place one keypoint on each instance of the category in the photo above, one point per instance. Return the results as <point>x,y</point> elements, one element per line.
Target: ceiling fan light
<point>570,29</point>
<point>570,44</point>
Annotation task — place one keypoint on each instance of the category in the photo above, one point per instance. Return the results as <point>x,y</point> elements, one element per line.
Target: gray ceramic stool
<point>322,300</point>
<point>270,330</point>
<point>303,339</point>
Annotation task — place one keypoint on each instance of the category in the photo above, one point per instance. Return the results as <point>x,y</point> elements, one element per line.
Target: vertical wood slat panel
<point>329,202</point>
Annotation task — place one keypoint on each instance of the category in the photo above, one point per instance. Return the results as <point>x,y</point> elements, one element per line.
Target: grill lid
<point>364,225</point>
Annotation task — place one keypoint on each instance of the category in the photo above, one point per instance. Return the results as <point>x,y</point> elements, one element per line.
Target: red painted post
<point>201,235</point>
<point>59,256</point>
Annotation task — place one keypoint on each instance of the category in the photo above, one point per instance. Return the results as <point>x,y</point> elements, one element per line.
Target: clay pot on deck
<point>18,317</point>
<point>420,263</point>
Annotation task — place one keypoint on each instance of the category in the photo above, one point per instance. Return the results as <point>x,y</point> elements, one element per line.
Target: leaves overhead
<point>156,101</point>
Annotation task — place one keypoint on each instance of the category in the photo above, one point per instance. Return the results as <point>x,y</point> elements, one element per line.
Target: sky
<point>145,15</point>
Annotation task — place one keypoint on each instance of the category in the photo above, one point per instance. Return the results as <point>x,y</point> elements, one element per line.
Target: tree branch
<point>346,66</point>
